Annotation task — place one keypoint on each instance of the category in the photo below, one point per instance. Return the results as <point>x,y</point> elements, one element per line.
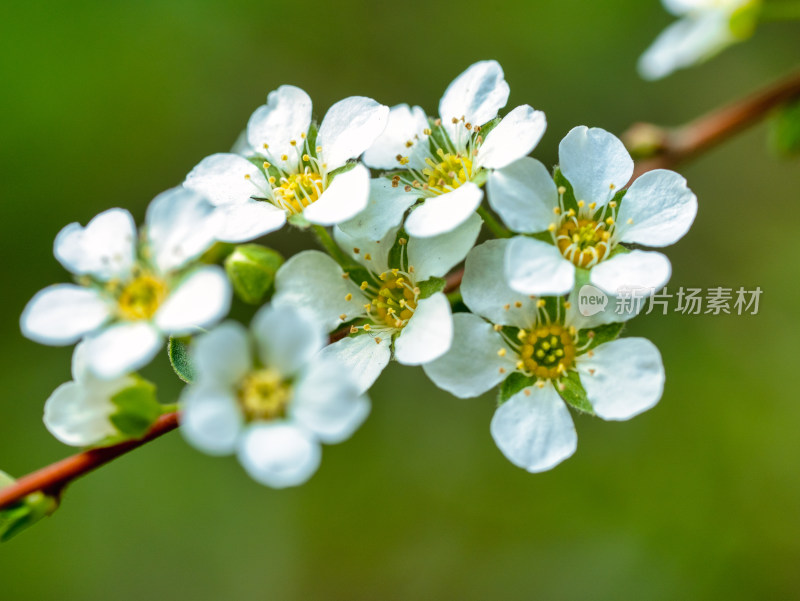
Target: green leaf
<point>489,126</point>
<point>25,513</point>
<point>784,130</point>
<point>137,409</point>
<point>599,335</point>
<point>343,169</point>
<point>251,269</point>
<point>570,202</point>
<point>217,253</point>
<point>180,359</point>
<point>744,19</point>
<point>513,384</point>
<point>573,393</point>
<point>430,287</point>
<point>396,252</point>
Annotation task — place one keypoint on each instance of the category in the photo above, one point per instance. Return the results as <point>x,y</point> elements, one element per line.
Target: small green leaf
<point>343,169</point>
<point>430,287</point>
<point>570,202</point>
<point>137,409</point>
<point>25,513</point>
<point>573,393</point>
<point>489,126</point>
<point>513,384</point>
<point>180,359</point>
<point>396,252</point>
<point>217,253</point>
<point>251,269</point>
<point>784,130</point>
<point>599,335</point>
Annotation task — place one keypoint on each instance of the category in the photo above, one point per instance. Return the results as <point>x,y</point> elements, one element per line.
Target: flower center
<point>264,395</point>
<point>141,298</point>
<point>395,300</point>
<point>547,352</point>
<point>585,242</point>
<point>449,173</point>
<point>297,191</point>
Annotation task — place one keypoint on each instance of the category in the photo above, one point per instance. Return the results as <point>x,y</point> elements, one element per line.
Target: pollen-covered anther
<point>348,297</point>
<point>562,190</point>
<point>141,297</point>
<point>264,395</point>
<point>547,352</point>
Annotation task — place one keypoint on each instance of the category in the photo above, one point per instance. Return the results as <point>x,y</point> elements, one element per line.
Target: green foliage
<point>573,393</point>
<point>25,513</point>
<point>784,130</point>
<point>251,269</point>
<point>744,19</point>
<point>137,409</point>
<point>181,361</point>
<point>343,169</point>
<point>600,334</point>
<point>430,287</point>
<point>396,252</point>
<point>514,383</point>
<point>217,253</point>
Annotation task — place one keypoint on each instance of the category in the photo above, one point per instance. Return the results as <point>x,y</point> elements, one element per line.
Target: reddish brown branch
<point>673,146</point>
<point>55,477</point>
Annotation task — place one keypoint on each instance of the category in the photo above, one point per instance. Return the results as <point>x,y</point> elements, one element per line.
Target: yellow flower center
<point>585,242</point>
<point>547,352</point>
<point>448,174</point>
<point>395,301</point>
<point>264,395</point>
<point>297,191</point>
<point>141,298</point>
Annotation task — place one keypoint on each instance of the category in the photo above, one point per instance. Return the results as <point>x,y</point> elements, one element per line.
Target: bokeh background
<point>108,103</point>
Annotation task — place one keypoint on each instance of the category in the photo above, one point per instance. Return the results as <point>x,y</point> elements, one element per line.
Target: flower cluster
<point>395,198</point>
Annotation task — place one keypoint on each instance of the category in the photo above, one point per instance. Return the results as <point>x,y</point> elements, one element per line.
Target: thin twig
<point>673,146</point>
<point>55,477</point>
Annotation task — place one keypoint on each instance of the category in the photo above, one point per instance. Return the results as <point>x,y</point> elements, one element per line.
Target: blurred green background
<point>108,103</point>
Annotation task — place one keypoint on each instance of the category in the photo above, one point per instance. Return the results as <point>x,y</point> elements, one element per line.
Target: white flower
<point>657,210</point>
<point>78,412</point>
<point>389,309</point>
<point>270,397</point>
<point>444,162</point>
<point>130,296</point>
<point>705,28</point>
<point>533,427</point>
<point>300,166</point>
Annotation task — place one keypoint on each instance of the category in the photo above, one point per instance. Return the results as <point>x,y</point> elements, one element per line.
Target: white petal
<point>180,227</point>
<point>287,337</point>
<point>313,281</point>
<point>105,248</point>
<point>440,214</point>
<point>486,291</point>
<point>222,356</point>
<point>210,419</point>
<point>595,162</point>
<point>477,94</point>
<point>201,300</point>
<point>685,43</point>
<point>437,255</point>
<point>472,365</point>
<point>350,127</point>
<point>536,267</point>
<point>385,209</point>
<point>405,125</point>
<point>225,179</point>
<point>248,221</point>
<point>362,357</point>
<point>343,199</point>
<point>623,377</point>
<point>514,137</point>
<point>279,454</point>
<point>285,117</point>
<point>61,314</point>
<point>636,270</point>
<point>524,195</point>
<point>661,207</point>
<point>122,348</point>
<point>327,401</point>
<point>78,416</point>
<point>428,333</point>
<point>535,431</point>
<point>360,247</point>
